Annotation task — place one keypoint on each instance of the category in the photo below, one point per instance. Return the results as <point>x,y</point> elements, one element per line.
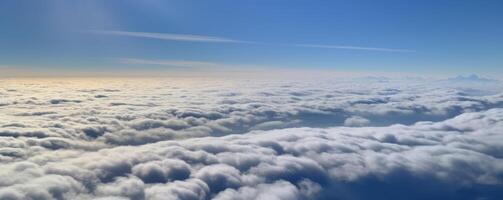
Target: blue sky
<point>423,37</point>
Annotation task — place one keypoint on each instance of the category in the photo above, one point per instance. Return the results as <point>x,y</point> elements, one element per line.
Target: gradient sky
<point>423,37</point>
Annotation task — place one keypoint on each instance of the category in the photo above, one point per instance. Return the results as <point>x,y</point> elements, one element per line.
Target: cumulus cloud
<point>210,139</point>
<point>162,172</point>
<point>356,121</point>
<point>285,164</point>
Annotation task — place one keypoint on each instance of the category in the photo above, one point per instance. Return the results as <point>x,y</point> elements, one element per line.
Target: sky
<point>130,37</point>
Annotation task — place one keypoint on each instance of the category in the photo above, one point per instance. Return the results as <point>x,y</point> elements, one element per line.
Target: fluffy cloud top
<point>213,139</point>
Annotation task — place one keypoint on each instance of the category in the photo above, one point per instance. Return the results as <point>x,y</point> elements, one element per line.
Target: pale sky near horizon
<point>128,37</point>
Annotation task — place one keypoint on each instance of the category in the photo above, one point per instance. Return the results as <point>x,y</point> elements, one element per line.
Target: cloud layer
<point>250,139</point>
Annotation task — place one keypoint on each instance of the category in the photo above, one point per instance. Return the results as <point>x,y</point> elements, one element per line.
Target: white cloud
<point>325,46</point>
<point>172,63</point>
<point>212,39</point>
<point>168,36</point>
<point>187,64</point>
<point>248,139</point>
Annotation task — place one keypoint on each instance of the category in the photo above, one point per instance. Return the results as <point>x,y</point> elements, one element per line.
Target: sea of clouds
<point>182,138</point>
